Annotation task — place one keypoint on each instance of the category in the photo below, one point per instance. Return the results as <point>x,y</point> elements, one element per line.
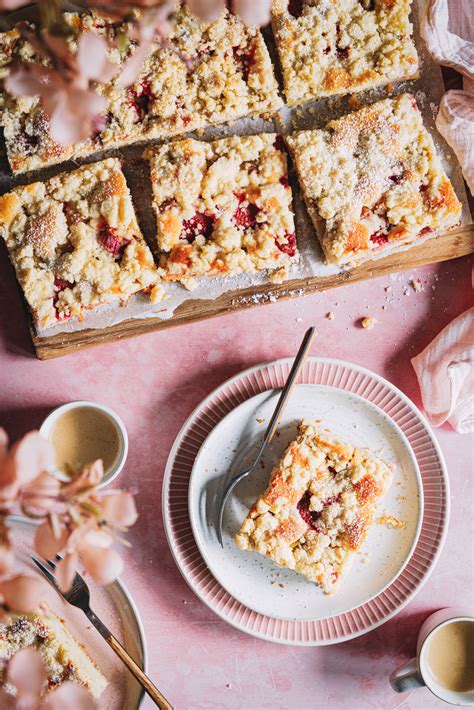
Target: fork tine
<point>46,573</point>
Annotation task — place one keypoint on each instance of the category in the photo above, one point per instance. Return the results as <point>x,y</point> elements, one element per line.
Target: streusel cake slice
<point>63,656</point>
<point>318,507</point>
<point>372,180</point>
<point>207,73</point>
<point>223,207</point>
<point>75,243</point>
<point>329,47</point>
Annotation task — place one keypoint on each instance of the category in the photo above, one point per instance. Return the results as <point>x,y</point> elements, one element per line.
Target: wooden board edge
<point>458,243</point>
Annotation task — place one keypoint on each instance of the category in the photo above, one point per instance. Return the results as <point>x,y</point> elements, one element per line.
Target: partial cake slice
<point>63,656</point>
<point>223,207</point>
<point>329,48</point>
<point>206,73</point>
<point>75,243</point>
<point>372,180</point>
<point>318,507</point>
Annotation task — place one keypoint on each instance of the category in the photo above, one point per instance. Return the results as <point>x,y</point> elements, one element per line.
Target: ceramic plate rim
<point>329,361</point>
<point>200,542</point>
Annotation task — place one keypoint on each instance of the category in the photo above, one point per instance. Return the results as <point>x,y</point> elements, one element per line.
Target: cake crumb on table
<point>416,285</point>
<point>330,315</point>
<point>368,322</point>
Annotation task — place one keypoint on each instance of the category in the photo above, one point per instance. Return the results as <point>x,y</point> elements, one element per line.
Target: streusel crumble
<point>75,243</point>
<point>63,656</point>
<point>207,73</point>
<point>330,47</point>
<point>318,507</point>
<point>372,180</point>
<point>223,207</point>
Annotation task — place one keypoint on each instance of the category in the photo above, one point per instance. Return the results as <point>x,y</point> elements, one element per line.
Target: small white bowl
<point>48,425</point>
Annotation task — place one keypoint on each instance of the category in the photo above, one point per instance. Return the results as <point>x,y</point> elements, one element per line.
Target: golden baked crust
<point>330,47</point>
<point>212,73</point>
<point>318,507</point>
<point>372,180</point>
<point>75,243</point>
<point>63,656</point>
<point>222,207</point>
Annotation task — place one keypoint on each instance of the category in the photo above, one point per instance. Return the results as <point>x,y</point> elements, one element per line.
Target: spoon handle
<point>288,388</point>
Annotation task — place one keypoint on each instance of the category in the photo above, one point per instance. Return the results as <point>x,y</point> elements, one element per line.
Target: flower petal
<point>46,543</point>
<point>65,571</point>
<point>24,82</point>
<point>119,509</point>
<point>252,12</point>
<point>89,477</point>
<point>133,65</point>
<point>103,564</point>
<point>206,10</point>
<point>92,58</point>
<point>27,673</point>
<point>95,538</point>
<point>71,121</point>
<point>69,696</point>
<point>28,458</point>
<point>7,554</point>
<point>3,443</point>
<point>23,592</point>
<point>41,493</point>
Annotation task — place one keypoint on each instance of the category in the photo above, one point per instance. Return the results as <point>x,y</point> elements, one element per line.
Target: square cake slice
<point>223,207</point>
<point>372,181</point>
<point>75,243</point>
<point>329,47</point>
<point>206,74</point>
<point>318,507</point>
<point>64,657</point>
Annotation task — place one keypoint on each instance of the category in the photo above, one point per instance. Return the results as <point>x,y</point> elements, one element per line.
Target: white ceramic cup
<point>416,673</point>
<point>50,421</point>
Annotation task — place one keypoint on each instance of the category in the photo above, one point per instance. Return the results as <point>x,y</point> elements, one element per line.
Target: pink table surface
<point>155,381</point>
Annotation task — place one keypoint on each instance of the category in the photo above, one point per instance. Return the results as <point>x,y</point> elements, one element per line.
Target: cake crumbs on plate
<point>368,322</point>
<point>330,315</point>
<point>260,421</point>
<point>391,522</point>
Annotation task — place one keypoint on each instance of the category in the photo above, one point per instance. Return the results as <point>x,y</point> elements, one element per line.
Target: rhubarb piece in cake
<point>372,181</point>
<point>222,207</point>
<point>75,243</point>
<point>64,657</point>
<point>329,48</point>
<point>318,507</point>
<point>206,73</point>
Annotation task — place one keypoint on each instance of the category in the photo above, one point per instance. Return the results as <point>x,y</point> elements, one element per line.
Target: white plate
<point>343,376</point>
<point>114,606</point>
<point>231,447</point>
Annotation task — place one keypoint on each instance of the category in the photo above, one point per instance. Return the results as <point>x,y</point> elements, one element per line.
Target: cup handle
<point>407,677</point>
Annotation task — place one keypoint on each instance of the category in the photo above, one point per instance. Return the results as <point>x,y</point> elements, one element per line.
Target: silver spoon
<point>274,421</point>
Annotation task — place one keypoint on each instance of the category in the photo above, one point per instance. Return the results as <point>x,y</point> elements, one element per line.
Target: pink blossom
<point>119,509</point>
<point>206,10</point>
<point>22,593</point>
<point>27,674</point>
<point>73,107</point>
<point>252,12</point>
<point>89,477</point>
<point>26,459</point>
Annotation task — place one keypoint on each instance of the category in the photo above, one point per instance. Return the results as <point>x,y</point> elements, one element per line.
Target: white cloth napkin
<point>448,29</point>
<point>445,371</point>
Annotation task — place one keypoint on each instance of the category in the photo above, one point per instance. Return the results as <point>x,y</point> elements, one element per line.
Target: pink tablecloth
<point>155,381</point>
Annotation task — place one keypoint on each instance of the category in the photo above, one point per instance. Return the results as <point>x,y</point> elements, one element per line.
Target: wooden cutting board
<point>449,246</point>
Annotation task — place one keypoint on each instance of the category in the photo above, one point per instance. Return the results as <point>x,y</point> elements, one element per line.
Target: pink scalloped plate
<point>361,619</point>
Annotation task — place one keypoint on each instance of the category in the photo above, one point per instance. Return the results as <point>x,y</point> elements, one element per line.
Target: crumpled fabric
<point>448,29</point>
<point>445,372</point>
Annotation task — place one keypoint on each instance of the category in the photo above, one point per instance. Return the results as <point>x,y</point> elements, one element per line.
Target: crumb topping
<point>318,507</point>
<point>208,73</point>
<point>75,243</point>
<point>329,48</point>
<point>222,207</point>
<point>372,180</point>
